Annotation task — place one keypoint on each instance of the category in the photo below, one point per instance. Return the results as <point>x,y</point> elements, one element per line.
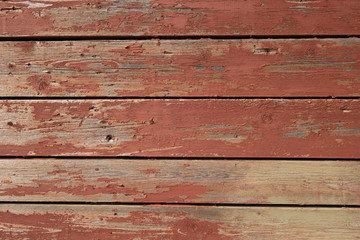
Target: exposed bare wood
<point>160,222</point>
<point>292,67</point>
<point>186,128</point>
<point>164,17</point>
<point>185,181</point>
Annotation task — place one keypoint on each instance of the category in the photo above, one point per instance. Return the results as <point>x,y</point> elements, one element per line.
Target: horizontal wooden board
<point>190,18</point>
<point>161,222</point>
<point>273,68</point>
<point>180,181</point>
<point>181,127</point>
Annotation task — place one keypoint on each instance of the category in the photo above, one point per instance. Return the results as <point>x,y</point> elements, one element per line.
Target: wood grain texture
<point>160,222</point>
<point>164,17</point>
<point>183,128</point>
<point>180,181</point>
<point>273,68</point>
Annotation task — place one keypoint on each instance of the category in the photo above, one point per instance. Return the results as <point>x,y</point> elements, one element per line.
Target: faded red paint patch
<point>25,22</point>
<point>40,83</point>
<point>175,193</point>
<point>197,229</point>
<point>27,46</point>
<point>96,66</point>
<point>46,111</point>
<point>150,171</point>
<point>55,172</point>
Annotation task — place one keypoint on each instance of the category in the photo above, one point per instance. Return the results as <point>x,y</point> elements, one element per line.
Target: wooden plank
<point>280,67</point>
<point>327,128</point>
<point>181,181</point>
<point>176,222</point>
<point>164,17</point>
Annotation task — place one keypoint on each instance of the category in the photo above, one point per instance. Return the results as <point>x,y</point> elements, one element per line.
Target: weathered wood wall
<point>167,120</point>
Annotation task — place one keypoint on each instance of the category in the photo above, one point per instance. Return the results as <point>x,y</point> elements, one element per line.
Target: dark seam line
<point>178,158</point>
<point>170,37</point>
<point>182,204</point>
<point>165,98</point>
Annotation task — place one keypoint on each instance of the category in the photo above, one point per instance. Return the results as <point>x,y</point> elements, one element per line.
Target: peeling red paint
<point>195,229</point>
<point>40,83</point>
<point>24,23</point>
<point>50,186</point>
<point>150,171</point>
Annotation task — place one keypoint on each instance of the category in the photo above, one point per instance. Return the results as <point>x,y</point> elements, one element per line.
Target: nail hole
<point>108,138</point>
<point>10,124</point>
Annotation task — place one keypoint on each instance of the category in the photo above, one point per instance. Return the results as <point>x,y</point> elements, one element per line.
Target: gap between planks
<point>170,37</point>
<point>134,158</point>
<point>165,204</point>
<point>169,97</point>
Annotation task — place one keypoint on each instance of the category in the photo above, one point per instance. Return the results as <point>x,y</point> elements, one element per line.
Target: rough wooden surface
<point>180,181</point>
<point>164,17</point>
<point>291,67</point>
<point>178,127</point>
<point>212,128</point>
<point>160,222</point>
